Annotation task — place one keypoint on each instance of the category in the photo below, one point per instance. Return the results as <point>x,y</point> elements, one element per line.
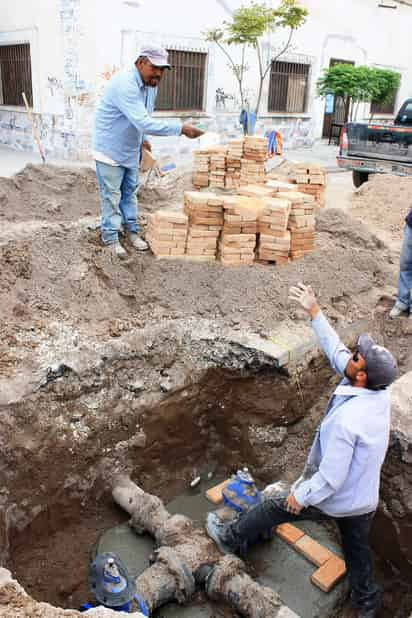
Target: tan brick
<point>289,533</point>
<point>329,573</point>
<point>312,550</point>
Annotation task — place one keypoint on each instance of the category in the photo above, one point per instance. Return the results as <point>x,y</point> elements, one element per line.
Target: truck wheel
<point>359,178</point>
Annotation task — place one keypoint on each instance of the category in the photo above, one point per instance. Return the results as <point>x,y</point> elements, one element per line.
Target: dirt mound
<point>66,275</point>
<point>384,201</point>
<point>49,192</point>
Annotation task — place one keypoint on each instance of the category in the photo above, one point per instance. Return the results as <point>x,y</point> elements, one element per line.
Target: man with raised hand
<point>342,474</point>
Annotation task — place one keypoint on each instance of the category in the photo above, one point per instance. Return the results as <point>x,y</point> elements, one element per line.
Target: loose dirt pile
<point>383,202</point>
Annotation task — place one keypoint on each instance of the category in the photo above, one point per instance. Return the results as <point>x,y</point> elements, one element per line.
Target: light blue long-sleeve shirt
<point>123,118</point>
<point>350,444</point>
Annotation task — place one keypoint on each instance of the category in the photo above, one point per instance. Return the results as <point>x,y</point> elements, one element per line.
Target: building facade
<point>62,52</point>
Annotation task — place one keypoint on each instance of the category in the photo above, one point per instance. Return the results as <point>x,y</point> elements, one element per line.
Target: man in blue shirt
<point>122,122</point>
<point>342,474</point>
<point>403,303</point>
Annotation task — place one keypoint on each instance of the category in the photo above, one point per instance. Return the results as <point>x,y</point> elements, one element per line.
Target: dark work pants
<point>251,526</point>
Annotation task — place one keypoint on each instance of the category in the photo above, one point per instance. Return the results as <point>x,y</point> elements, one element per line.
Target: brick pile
<point>166,233</point>
<point>239,229</point>
<point>201,162</point>
<point>301,223</point>
<point>274,237</point>
<point>255,148</point>
<point>233,164</point>
<point>238,241</point>
<point>217,168</point>
<point>311,179</point>
<point>255,153</point>
<point>205,216</point>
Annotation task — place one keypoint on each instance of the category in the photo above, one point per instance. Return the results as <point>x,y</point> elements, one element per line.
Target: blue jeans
<point>254,524</point>
<point>117,188</point>
<point>405,275</point>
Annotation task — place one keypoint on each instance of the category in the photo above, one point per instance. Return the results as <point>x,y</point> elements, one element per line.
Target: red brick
<point>329,574</point>
<point>312,550</point>
<point>289,533</point>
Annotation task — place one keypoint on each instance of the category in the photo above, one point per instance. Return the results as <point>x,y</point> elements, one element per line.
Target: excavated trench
<point>104,422</point>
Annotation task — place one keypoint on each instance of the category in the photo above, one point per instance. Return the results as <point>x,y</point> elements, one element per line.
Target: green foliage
<point>359,83</point>
<point>251,22</point>
<point>248,25</point>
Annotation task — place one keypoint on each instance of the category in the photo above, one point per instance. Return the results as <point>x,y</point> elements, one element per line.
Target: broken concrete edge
<point>216,345</point>
<point>22,604</point>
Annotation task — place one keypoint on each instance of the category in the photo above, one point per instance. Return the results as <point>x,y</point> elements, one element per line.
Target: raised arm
<point>336,351</point>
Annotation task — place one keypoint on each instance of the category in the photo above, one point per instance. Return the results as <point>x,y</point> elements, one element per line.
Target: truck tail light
<point>343,141</point>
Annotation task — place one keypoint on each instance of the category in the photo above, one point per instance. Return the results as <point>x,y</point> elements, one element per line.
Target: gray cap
<point>381,366</point>
<point>158,56</point>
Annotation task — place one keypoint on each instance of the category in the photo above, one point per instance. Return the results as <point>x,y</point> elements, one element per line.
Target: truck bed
<point>380,142</point>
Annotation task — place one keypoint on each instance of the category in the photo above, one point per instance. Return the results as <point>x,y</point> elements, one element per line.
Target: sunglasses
<point>356,355</point>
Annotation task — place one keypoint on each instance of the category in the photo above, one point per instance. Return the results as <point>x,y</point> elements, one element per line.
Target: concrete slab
<point>288,573</point>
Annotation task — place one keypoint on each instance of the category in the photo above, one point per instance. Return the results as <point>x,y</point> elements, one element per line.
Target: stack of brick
<point>217,168</point>
<point>255,153</point>
<point>201,163</point>
<point>274,237</point>
<point>167,233</point>
<point>252,172</point>
<point>238,241</point>
<point>233,163</point>
<point>255,148</point>
<point>311,179</point>
<point>205,213</point>
<point>301,224</point>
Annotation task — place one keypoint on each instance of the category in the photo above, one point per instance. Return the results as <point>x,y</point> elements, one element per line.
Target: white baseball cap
<point>158,56</point>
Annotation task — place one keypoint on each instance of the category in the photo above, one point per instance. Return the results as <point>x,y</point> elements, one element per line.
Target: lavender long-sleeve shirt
<point>350,444</point>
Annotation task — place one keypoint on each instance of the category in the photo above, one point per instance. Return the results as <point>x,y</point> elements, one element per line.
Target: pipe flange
<point>185,581</point>
<point>225,569</point>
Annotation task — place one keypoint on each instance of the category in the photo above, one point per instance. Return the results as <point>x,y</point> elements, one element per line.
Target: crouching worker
<point>342,475</point>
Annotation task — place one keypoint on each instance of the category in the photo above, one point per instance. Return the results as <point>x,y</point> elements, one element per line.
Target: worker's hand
<point>191,132</point>
<point>305,297</point>
<point>292,505</point>
<point>147,145</point>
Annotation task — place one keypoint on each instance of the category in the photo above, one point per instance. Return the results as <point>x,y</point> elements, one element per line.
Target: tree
<point>248,26</point>
<point>357,84</point>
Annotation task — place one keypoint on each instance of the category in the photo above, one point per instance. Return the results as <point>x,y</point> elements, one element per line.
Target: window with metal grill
<point>288,87</point>
<point>182,88</point>
<point>384,108</point>
<point>15,74</point>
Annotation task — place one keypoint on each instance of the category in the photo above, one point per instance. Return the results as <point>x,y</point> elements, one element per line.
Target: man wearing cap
<point>342,474</point>
<point>122,122</point>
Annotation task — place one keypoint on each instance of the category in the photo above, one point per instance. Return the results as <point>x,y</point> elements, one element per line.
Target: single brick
<point>289,533</point>
<point>214,494</point>
<point>313,551</point>
<point>329,574</point>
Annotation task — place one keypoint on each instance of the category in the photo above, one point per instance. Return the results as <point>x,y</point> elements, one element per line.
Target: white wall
<point>68,66</point>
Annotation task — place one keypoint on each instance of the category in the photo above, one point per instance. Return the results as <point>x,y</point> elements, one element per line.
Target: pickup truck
<point>369,148</point>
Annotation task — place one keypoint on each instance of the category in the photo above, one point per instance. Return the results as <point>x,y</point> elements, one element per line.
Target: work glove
<point>304,296</point>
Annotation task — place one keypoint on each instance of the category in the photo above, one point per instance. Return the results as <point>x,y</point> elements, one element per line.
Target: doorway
<point>340,111</point>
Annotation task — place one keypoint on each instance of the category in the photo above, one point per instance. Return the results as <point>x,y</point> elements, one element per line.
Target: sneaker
<point>138,243</point>
<point>397,311</point>
<point>118,250</point>
<point>216,530</point>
